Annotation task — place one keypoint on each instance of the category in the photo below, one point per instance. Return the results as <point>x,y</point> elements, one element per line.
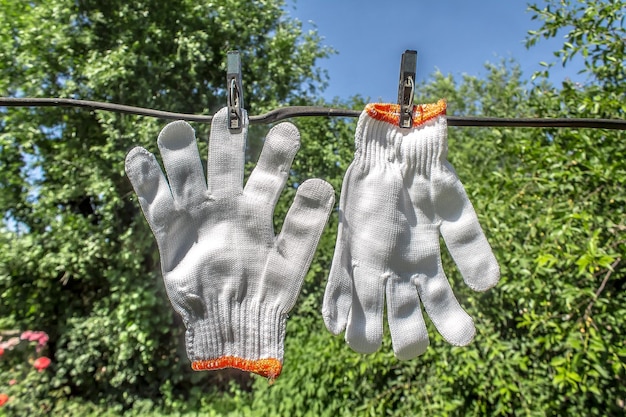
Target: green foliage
<point>78,261</point>
<point>594,30</point>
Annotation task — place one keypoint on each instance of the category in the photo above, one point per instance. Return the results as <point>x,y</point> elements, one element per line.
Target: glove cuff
<point>245,335</point>
<point>390,113</point>
<point>381,141</point>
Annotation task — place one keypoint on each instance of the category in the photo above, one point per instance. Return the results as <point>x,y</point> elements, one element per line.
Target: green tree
<point>593,31</point>
<point>76,257</point>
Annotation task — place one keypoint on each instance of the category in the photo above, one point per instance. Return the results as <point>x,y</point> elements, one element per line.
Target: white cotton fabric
<point>398,196</point>
<point>226,273</point>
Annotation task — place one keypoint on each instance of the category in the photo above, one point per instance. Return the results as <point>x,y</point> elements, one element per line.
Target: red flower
<point>1,351</point>
<point>41,363</point>
<point>3,399</point>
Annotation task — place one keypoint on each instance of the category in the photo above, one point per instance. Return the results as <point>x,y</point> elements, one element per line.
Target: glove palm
<point>226,273</point>
<point>398,195</point>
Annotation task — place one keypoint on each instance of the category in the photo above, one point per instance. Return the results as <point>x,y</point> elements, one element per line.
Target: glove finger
<point>151,187</point>
<point>295,245</point>
<point>270,174</point>
<point>338,294</point>
<point>179,150</point>
<point>463,235</point>
<point>226,156</point>
<point>364,332</point>
<point>406,323</point>
<point>452,322</point>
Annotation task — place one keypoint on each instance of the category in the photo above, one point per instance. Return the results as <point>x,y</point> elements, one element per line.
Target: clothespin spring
<point>406,88</point>
<point>234,91</point>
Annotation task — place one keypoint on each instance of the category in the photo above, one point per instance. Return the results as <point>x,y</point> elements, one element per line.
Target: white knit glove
<point>398,195</point>
<point>226,273</point>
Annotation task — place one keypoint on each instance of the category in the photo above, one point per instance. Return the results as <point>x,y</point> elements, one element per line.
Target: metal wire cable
<point>305,111</point>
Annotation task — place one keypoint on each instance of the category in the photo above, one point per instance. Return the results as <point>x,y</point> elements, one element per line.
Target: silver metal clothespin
<point>406,87</point>
<point>234,90</point>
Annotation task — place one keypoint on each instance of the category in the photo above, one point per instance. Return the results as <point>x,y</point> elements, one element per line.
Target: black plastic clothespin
<point>234,90</point>
<point>406,87</point>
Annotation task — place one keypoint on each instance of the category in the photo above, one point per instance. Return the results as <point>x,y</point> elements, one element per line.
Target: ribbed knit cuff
<point>380,140</point>
<point>243,335</point>
<point>390,113</point>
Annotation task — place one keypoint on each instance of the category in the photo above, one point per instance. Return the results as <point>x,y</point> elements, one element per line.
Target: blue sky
<point>453,36</point>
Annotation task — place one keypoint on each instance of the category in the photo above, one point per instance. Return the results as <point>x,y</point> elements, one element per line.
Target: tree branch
<point>601,288</point>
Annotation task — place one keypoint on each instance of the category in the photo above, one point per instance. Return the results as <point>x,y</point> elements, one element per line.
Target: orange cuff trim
<point>390,113</point>
<point>268,368</point>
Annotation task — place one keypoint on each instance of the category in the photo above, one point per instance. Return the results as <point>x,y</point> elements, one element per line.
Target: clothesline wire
<point>306,111</point>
